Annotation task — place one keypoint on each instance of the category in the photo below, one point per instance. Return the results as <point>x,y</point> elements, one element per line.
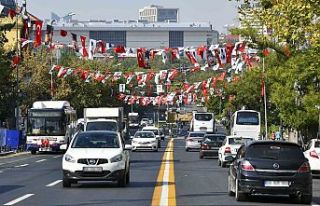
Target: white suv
<point>312,153</point>
<point>230,147</point>
<point>96,156</point>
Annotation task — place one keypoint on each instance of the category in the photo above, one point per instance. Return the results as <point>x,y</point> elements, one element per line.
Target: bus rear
<point>246,123</point>
<point>203,122</point>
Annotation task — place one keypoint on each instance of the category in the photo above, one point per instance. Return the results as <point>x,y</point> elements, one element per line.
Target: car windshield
<point>144,135</point>
<point>152,130</point>
<point>238,140</point>
<point>96,140</point>
<point>212,138</point>
<point>196,135</point>
<point>110,126</point>
<point>274,152</point>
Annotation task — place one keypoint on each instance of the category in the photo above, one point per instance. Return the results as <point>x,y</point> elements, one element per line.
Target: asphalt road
<point>36,180</point>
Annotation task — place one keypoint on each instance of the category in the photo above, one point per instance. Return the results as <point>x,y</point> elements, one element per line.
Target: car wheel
<point>33,152</point>
<point>159,145</point>
<point>201,156</point>
<point>306,199</point>
<point>223,164</point>
<point>66,182</point>
<point>128,176</point>
<point>187,149</point>
<point>230,192</point>
<point>122,181</point>
<point>239,195</point>
<point>219,163</point>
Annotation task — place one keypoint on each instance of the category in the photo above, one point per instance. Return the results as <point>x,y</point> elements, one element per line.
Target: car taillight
<point>305,167</point>
<point>314,154</point>
<point>227,150</point>
<point>246,166</point>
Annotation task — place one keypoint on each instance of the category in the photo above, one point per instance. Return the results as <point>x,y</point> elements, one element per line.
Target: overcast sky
<point>218,12</point>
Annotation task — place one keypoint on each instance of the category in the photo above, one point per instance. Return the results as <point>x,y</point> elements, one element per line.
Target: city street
<point>36,180</point>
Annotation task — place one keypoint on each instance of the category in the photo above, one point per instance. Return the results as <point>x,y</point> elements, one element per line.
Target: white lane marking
<point>165,181</point>
<point>42,160</point>
<point>15,201</point>
<point>2,163</point>
<point>24,165</point>
<point>1,171</point>
<point>53,183</point>
<point>55,157</point>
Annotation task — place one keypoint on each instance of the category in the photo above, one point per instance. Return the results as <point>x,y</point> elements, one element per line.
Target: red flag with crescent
<point>140,57</point>
<point>38,33</point>
<point>84,49</point>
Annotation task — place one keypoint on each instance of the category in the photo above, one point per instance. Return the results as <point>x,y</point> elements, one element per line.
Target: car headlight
<point>116,158</point>
<point>69,158</point>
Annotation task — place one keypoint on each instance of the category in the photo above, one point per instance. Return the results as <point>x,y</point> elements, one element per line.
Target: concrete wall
<point>194,38</point>
<point>148,39</point>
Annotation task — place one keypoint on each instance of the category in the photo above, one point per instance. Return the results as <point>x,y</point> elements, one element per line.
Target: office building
<point>154,13</point>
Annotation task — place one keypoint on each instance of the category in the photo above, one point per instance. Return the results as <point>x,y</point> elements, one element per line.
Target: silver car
<point>193,140</point>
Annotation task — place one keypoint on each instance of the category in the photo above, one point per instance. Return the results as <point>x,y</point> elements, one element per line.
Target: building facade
<point>134,35</point>
<point>154,13</point>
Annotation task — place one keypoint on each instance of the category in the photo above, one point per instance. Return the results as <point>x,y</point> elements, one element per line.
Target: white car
<point>230,147</point>
<point>144,140</point>
<point>144,121</point>
<point>156,131</point>
<point>193,140</point>
<point>96,156</point>
<point>312,153</point>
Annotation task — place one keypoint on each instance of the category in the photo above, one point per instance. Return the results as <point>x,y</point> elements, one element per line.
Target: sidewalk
<point>6,153</point>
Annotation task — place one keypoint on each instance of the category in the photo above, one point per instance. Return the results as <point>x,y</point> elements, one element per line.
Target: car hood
<point>94,152</point>
<point>144,139</point>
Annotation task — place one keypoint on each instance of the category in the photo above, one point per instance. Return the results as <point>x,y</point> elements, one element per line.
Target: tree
<point>7,80</point>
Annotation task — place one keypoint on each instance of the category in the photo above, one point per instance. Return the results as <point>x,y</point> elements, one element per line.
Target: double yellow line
<point>165,191</point>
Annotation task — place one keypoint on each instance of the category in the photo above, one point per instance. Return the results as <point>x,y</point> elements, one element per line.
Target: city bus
<point>246,123</point>
<point>202,121</point>
<point>49,125</point>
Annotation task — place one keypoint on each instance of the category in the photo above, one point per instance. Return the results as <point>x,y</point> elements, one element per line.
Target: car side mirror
<point>128,147</point>
<point>63,147</point>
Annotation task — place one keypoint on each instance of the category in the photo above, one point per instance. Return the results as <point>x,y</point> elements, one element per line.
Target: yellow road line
<point>165,190</point>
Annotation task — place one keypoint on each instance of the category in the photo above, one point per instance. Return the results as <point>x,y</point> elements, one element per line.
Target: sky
<point>218,12</point>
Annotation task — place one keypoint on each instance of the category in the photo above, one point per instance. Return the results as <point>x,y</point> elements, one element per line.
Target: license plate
<point>276,184</point>
<point>92,169</point>
<point>45,149</point>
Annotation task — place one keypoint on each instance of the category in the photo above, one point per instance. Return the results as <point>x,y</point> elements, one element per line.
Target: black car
<point>270,167</point>
<point>211,144</point>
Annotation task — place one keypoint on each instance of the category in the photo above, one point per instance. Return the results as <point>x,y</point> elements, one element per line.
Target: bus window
<point>203,117</point>
<point>247,118</point>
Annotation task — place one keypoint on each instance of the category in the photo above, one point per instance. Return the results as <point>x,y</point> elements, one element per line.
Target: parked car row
<point>261,167</point>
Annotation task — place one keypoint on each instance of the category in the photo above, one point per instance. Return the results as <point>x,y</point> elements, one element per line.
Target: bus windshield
<point>46,125</point>
<point>110,126</point>
<point>247,118</point>
<point>203,117</point>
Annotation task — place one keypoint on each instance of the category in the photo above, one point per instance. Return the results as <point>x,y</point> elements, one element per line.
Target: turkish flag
<point>201,50</point>
<point>84,50</point>
<point>140,57</point>
<point>119,49</point>
<point>191,58</point>
<point>38,34</point>
<point>229,48</point>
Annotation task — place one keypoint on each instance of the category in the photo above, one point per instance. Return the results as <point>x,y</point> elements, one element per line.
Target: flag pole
<point>265,102</point>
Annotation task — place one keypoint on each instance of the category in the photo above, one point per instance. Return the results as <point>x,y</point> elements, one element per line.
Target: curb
<point>6,153</point>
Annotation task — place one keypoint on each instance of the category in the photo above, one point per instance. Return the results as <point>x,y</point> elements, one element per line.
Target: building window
<point>114,37</point>
<point>176,39</point>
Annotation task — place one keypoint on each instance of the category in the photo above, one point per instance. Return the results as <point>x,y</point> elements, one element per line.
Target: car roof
<point>150,127</point>
<point>217,135</point>
<point>144,132</point>
<point>238,136</point>
<point>270,142</point>
<point>99,132</point>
